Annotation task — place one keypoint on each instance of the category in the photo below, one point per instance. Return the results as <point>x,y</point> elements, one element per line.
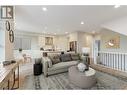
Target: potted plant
<point>41,48</point>
<point>20,50</point>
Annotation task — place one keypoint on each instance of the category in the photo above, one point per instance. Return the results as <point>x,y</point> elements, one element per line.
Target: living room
<point>66,30</point>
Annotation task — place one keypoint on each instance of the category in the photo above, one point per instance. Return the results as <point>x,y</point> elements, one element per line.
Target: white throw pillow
<point>81,67</point>
<point>49,62</point>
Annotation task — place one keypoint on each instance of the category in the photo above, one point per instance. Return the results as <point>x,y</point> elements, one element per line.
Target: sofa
<point>58,63</point>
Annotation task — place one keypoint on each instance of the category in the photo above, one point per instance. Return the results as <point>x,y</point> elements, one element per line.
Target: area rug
<point>61,82</point>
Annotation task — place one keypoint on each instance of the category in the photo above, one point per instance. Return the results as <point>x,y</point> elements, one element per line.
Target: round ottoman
<point>82,79</point>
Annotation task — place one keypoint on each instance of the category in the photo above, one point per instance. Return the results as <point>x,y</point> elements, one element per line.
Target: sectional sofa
<point>57,63</point>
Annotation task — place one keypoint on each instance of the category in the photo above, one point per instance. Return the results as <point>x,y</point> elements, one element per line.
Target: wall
<point>6,48</point>
<point>38,40</point>
<point>2,42</point>
<point>73,36</point>
<point>83,40</point>
<point>34,52</point>
<point>34,40</point>
<point>117,25</point>
<point>8,45</point>
<point>41,41</point>
<point>61,42</point>
<point>34,43</point>
<point>105,34</point>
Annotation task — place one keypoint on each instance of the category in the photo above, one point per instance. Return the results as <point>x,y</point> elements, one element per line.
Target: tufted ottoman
<point>82,79</point>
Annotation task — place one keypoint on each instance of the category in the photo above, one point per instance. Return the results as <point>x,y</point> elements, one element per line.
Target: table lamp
<point>86,51</point>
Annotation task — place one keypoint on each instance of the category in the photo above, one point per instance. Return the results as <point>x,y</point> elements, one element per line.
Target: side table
<point>37,67</point>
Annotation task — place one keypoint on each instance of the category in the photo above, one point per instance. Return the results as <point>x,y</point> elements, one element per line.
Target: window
<point>24,43</point>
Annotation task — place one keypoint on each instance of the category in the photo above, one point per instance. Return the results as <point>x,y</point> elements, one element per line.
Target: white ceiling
<point>61,19</point>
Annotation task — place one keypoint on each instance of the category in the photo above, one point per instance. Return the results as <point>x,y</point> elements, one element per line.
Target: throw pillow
<point>75,56</point>
<point>55,58</point>
<point>49,62</point>
<point>65,57</point>
<point>81,67</point>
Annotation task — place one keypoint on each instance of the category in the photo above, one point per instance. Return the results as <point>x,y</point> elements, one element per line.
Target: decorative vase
<point>81,67</point>
<point>87,67</point>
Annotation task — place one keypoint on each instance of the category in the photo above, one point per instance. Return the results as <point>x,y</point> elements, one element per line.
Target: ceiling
<point>60,19</point>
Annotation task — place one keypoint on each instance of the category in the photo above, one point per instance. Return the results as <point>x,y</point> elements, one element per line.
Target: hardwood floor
<point>25,70</point>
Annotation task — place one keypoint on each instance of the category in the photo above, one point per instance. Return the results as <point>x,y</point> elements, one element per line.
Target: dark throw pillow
<point>65,57</point>
<point>55,58</point>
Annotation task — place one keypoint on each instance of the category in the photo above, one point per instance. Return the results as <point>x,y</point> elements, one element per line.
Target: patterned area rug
<point>61,82</point>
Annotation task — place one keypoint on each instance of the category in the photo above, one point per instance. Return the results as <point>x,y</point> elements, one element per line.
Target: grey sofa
<point>62,63</point>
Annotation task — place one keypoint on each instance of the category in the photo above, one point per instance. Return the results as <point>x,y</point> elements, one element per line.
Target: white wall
<point>34,43</point>
<point>118,25</point>
<point>83,40</point>
<point>61,42</point>
<point>8,45</point>
<point>6,48</point>
<point>73,36</point>
<point>33,38</point>
<point>2,42</point>
<point>41,41</point>
<point>34,52</point>
<point>38,40</point>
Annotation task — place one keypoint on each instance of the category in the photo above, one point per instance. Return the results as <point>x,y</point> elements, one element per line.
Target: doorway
<point>96,49</point>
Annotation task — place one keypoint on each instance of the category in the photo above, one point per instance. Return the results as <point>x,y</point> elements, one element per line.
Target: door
<point>96,50</point>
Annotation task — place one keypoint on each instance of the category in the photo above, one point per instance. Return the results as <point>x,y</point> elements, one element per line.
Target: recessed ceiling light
<point>44,9</point>
<point>66,32</point>
<point>82,22</point>
<point>116,6</point>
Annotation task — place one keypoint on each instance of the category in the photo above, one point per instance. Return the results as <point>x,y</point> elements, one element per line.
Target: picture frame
<point>48,40</point>
<point>8,26</point>
<point>113,42</point>
<point>7,12</point>
<point>11,36</point>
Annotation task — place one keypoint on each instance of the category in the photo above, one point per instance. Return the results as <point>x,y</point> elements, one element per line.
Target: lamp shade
<point>85,50</point>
